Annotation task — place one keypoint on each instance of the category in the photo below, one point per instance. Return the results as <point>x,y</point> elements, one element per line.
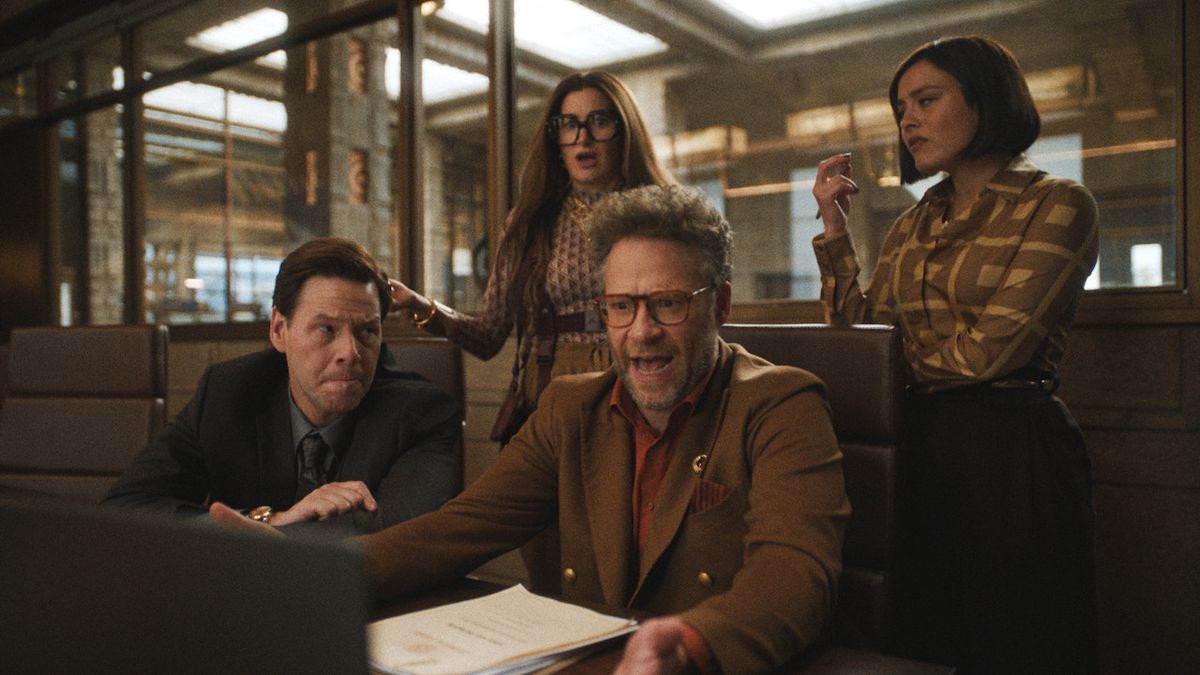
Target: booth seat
<point>82,402</point>
<point>441,362</point>
<point>862,370</point>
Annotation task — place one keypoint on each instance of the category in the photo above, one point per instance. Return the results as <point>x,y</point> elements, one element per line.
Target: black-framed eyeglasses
<point>602,125</point>
<point>666,307</point>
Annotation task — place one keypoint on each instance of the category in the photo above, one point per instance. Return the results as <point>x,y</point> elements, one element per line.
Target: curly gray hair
<point>672,212</point>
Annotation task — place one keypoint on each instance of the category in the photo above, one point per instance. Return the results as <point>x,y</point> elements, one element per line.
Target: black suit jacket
<point>233,443</point>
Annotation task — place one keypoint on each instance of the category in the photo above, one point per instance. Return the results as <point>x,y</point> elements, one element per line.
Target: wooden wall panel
<point>1147,547</point>
<point>25,279</point>
<point>487,384</point>
<point>186,361</point>
<point>1148,457</point>
<point>1134,375</point>
<point>1136,393</point>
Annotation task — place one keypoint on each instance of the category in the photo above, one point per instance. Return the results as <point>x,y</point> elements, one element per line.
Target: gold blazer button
<point>698,463</point>
<point>569,575</point>
<point>704,579</point>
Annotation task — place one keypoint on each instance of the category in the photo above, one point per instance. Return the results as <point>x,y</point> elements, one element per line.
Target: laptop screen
<point>88,590</point>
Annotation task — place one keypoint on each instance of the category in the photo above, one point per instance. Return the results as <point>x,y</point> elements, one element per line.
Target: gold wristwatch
<point>262,514</point>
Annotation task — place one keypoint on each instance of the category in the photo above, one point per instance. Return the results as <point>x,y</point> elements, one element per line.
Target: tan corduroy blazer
<point>746,536</point>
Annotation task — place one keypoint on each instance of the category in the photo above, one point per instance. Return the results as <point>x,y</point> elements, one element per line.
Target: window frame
<point>1122,306</point>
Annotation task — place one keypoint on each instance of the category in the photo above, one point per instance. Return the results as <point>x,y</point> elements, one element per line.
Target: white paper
<point>500,632</point>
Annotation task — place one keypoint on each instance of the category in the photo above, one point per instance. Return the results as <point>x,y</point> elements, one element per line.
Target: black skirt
<point>999,545</point>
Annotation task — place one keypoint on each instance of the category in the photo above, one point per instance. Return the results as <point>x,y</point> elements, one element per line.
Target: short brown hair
<point>992,83</point>
<point>673,212</point>
<point>327,257</point>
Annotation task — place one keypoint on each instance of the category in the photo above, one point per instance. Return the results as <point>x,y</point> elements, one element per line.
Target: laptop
<point>84,590</point>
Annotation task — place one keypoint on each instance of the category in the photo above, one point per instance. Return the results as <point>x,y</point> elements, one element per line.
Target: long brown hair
<point>545,182</point>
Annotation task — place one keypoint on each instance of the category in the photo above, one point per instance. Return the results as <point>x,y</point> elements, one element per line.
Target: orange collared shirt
<point>652,454</point>
<point>652,451</point>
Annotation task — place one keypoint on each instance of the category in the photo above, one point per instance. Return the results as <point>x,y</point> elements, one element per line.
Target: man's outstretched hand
<point>327,501</point>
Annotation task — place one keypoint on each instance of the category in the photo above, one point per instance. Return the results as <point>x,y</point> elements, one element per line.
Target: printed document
<point>511,631</point>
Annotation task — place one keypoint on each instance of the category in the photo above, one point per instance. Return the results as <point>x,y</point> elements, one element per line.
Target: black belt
<point>1045,383</point>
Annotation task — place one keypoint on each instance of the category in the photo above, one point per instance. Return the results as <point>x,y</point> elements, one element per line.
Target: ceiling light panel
<point>561,31</point>
<point>771,14</point>
<point>245,30</point>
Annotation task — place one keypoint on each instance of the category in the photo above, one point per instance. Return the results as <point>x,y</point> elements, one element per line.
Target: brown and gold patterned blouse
<point>978,296</point>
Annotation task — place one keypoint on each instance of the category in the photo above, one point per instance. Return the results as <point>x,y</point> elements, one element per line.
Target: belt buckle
<point>591,321</point>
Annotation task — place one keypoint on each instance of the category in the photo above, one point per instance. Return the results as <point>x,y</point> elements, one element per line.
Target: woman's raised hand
<point>832,189</point>
<point>404,297</point>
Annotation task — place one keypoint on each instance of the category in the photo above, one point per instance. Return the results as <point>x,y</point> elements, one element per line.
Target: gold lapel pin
<point>698,463</point>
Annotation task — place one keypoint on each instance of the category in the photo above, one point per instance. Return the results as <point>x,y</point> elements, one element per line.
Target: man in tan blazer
<point>693,480</point>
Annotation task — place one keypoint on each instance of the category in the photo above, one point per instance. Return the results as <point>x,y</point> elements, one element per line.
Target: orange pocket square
<point>707,495</point>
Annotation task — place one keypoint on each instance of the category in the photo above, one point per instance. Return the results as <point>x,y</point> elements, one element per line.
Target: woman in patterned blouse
<point>982,276</point>
<point>593,141</point>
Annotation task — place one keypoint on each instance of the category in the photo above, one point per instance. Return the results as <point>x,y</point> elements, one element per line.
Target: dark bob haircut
<point>992,83</point>
<point>328,257</point>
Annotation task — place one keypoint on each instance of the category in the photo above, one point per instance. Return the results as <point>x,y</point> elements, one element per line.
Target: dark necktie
<point>313,450</point>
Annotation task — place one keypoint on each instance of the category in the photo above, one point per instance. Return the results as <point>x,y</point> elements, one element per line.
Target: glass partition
<point>18,96</point>
<point>746,98</point>
<point>245,163</point>
<point>454,170</point>
<point>90,71</point>
<point>743,100</point>
<point>90,265</point>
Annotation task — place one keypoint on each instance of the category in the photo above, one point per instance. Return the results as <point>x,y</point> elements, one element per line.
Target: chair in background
<point>82,402</point>
<point>863,374</point>
<point>441,362</point>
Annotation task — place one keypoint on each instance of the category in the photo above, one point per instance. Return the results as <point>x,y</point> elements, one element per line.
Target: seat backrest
<point>441,362</point>
<point>862,370</point>
<point>436,359</point>
<point>82,402</point>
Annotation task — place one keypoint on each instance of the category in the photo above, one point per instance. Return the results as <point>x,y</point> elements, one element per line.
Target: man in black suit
<point>321,428</point>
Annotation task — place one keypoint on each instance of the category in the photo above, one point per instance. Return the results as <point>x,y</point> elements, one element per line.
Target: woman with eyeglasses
<point>593,141</point>
<point>982,276</point>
